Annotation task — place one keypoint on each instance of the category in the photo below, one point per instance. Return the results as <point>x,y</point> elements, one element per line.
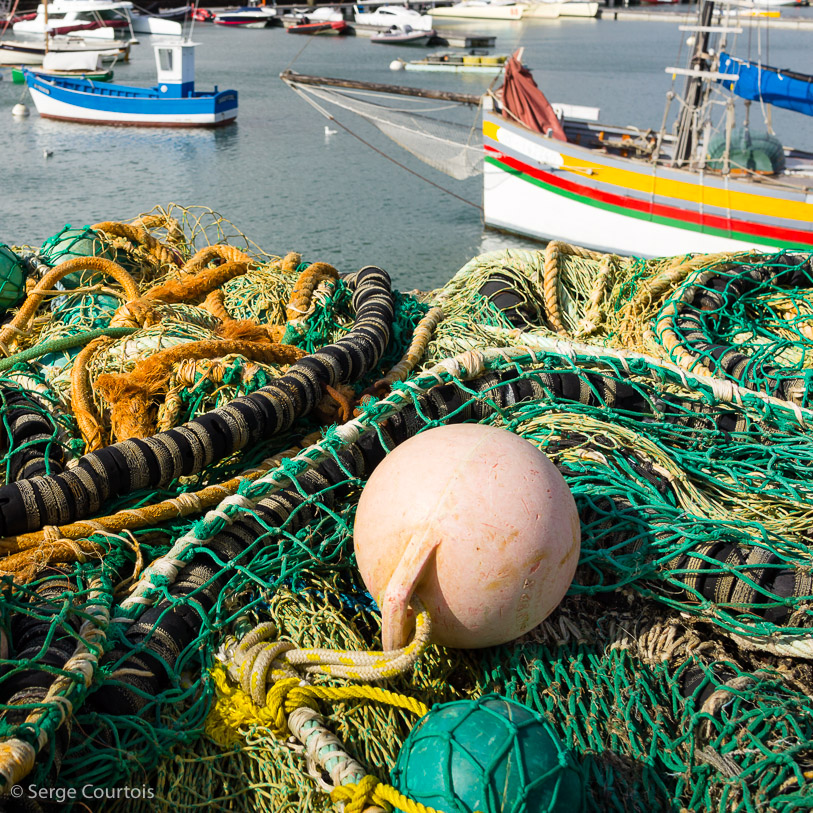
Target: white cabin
<point>175,62</point>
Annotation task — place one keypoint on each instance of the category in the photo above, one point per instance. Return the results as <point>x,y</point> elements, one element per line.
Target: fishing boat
<point>96,19</point>
<point>76,65</point>
<point>173,102</point>
<point>384,17</point>
<point>701,185</point>
<point>402,36</point>
<point>483,10</point>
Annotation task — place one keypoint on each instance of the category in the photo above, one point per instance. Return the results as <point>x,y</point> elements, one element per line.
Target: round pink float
<point>475,521</point>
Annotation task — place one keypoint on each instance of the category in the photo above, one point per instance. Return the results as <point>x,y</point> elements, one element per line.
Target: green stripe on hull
<point>663,221</point>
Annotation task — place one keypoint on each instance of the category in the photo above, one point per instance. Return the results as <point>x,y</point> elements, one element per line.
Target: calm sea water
<point>288,186</point>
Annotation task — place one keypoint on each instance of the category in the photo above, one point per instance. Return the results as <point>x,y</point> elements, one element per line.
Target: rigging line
<point>308,40</point>
<point>382,153</point>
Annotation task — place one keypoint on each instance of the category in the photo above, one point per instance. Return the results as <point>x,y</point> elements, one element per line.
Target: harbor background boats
<point>292,186</point>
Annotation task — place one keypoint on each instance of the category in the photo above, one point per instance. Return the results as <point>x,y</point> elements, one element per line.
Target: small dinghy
<point>403,35</point>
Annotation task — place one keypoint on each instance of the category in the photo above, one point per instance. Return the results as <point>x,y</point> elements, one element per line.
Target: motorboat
<point>319,14</point>
<point>167,23</point>
<point>95,19</point>
<point>172,102</point>
<point>384,17</point>
<point>245,17</point>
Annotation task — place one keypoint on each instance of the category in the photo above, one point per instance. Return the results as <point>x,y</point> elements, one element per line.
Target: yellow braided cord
<point>369,791</point>
<point>400,701</point>
<point>234,712</point>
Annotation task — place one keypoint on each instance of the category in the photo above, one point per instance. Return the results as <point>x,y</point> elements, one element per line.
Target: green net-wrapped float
<point>491,755</point>
<point>12,278</point>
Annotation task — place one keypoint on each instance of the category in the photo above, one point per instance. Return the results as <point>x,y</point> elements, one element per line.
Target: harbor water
<point>288,184</point>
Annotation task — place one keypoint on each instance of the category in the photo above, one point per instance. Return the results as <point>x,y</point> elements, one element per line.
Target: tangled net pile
<point>187,426</point>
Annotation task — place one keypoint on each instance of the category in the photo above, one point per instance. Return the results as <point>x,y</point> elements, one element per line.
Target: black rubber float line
<point>718,295</point>
<point>28,435</point>
<point>166,630</point>
<point>131,465</point>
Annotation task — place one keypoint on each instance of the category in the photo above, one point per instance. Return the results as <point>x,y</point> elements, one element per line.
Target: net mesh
<point>450,147</point>
<point>676,671</point>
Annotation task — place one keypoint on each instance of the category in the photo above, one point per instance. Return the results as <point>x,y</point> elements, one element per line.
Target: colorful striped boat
<point>541,187</point>
<point>652,193</point>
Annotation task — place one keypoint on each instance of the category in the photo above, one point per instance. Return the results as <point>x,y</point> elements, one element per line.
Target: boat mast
<point>688,126</point>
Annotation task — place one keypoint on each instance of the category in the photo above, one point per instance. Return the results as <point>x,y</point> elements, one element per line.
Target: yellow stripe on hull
<point>690,192</point>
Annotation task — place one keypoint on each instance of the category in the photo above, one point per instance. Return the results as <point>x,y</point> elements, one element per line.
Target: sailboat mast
<point>688,128</point>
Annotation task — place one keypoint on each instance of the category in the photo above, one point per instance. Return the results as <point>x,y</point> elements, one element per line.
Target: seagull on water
<point>328,131</point>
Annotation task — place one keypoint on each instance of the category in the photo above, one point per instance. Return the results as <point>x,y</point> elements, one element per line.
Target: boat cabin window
<point>165,59</point>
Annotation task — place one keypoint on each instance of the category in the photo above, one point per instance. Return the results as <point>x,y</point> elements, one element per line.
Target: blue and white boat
<point>173,102</point>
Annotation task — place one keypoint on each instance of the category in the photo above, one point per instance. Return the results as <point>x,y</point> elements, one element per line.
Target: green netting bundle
<point>12,278</point>
<point>676,673</point>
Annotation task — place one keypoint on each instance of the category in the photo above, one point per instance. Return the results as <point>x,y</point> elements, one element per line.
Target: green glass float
<point>70,243</point>
<point>490,755</point>
<point>12,278</point>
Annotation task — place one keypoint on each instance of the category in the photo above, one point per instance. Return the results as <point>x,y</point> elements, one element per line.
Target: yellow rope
<point>371,791</point>
<point>234,711</point>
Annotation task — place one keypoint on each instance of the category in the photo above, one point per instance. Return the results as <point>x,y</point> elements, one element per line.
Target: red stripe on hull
<point>140,123</point>
<point>658,209</point>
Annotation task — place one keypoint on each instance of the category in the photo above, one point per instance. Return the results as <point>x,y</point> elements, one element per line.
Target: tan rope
<point>20,322</point>
<point>196,285</point>
<point>208,253</point>
<point>131,396</point>
<point>82,398</point>
<point>301,296</point>
<point>550,279</point>
<point>138,234</point>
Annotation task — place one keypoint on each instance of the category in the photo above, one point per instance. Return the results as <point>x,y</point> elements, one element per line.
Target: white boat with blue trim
<point>173,102</point>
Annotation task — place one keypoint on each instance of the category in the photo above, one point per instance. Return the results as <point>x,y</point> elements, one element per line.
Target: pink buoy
<point>475,521</point>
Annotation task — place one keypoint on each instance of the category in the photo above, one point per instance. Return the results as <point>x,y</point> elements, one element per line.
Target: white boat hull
<point>37,29</point>
<point>144,24</point>
<point>484,12</point>
<point>510,205</point>
<point>568,8</point>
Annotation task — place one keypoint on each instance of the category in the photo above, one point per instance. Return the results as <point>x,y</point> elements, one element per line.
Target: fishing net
<point>677,671</point>
<point>450,147</point>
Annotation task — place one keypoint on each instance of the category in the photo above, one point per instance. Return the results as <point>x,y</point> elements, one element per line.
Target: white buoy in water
<point>19,110</point>
<point>397,65</point>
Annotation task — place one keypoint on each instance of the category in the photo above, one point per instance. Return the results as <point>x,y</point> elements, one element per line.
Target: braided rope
<point>138,234</point>
<point>11,331</point>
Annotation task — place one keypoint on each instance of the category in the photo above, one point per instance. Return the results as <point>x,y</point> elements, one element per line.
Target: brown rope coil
<point>131,396</point>
<point>138,234</point>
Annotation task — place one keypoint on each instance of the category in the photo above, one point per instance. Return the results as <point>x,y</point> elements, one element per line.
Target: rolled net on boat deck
<point>677,669</point>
